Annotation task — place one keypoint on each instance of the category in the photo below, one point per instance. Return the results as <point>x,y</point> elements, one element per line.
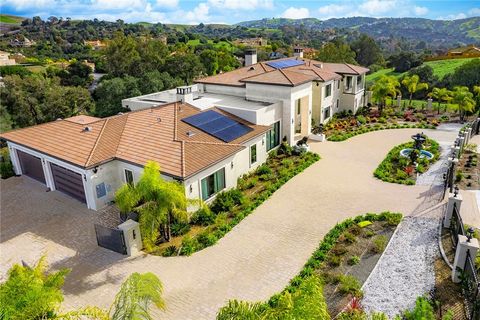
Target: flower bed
<point>211,223</point>
<point>397,169</point>
<point>468,172</point>
<point>369,233</point>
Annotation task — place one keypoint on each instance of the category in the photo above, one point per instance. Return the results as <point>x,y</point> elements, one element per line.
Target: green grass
<point>5,18</point>
<point>221,44</point>
<point>440,69</point>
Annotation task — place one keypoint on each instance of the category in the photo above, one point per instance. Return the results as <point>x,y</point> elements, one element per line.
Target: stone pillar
<point>456,151</point>
<point>429,103</point>
<point>399,100</point>
<point>468,135</point>
<point>132,236</point>
<point>461,143</point>
<point>452,200</point>
<point>461,255</point>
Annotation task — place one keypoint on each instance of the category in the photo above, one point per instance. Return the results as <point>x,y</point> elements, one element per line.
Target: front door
<point>298,116</point>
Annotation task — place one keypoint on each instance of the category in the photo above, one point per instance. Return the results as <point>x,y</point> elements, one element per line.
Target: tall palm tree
<point>385,86</point>
<point>158,203</point>
<point>464,98</point>
<point>441,94</point>
<point>413,84</point>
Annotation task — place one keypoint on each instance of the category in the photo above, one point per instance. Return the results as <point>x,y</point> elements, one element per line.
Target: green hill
<point>440,68</point>
<point>9,19</point>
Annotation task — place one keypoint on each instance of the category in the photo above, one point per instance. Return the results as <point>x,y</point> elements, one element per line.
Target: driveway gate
<point>110,238</point>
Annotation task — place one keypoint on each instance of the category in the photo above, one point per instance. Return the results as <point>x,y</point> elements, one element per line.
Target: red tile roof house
<point>253,107</point>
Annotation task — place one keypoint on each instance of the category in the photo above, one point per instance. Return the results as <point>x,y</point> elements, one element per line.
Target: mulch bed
<point>469,166</point>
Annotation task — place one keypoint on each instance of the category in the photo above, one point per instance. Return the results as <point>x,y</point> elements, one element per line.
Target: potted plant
<point>317,133</point>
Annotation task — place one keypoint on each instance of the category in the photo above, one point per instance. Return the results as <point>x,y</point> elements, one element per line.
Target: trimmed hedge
<point>346,135</point>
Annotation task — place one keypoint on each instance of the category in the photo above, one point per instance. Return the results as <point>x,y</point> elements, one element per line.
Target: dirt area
<point>448,294</point>
<point>468,172</point>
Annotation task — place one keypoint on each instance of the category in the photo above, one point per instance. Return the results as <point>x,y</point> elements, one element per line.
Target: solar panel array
<point>218,125</point>
<point>280,64</point>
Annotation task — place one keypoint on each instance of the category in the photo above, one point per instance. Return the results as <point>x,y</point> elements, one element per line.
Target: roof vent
<point>87,129</point>
<point>190,133</point>
<point>58,119</point>
<point>251,69</point>
<point>159,119</point>
<point>120,113</point>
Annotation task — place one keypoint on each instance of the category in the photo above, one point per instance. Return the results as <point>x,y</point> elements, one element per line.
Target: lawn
<point>440,69</point>
<point>5,18</point>
<point>221,44</point>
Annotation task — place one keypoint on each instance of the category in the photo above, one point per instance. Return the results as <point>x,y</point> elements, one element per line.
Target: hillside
<point>9,19</point>
<point>447,32</point>
<point>440,69</point>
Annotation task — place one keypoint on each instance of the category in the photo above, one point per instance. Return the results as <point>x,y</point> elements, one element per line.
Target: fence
<point>456,225</point>
<point>111,238</point>
<point>470,286</point>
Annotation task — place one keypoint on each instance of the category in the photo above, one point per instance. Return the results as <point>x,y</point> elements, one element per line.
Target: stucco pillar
<point>399,100</point>
<point>452,201</point>
<point>429,103</point>
<point>132,236</point>
<point>463,246</point>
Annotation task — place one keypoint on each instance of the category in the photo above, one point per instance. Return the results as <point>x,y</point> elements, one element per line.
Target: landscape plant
<point>464,98</point>
<point>384,87</point>
<point>413,84</point>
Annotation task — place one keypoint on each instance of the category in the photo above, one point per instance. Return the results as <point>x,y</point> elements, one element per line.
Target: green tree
<point>468,74</point>
<point>367,51</point>
<point>464,98</point>
<point>31,293</point>
<point>155,81</point>
<point>209,59</point>
<point>159,203</point>
<point>122,55</point>
<point>336,52</point>
<point>384,87</point>
<point>413,84</point>
<point>109,95</point>
<point>405,61</point>
<point>441,94</point>
<point>476,92</point>
<point>76,74</point>
<point>227,61</point>
<point>185,66</point>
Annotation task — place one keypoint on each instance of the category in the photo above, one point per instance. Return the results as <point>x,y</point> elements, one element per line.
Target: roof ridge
<point>183,158</point>
<point>96,143</point>
<point>348,65</point>
<point>283,72</point>
<point>121,135</point>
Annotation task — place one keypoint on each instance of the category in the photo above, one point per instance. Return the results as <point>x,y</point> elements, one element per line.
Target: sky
<point>233,11</point>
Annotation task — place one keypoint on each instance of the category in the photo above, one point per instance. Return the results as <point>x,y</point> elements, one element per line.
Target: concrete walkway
<point>269,247</point>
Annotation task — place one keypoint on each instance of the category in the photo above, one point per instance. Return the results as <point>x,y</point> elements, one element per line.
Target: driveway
<point>252,262</point>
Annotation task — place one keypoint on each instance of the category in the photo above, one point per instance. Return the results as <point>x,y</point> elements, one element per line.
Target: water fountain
<point>419,139</point>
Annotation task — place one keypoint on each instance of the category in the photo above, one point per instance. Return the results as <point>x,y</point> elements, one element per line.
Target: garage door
<point>68,182</point>
<point>31,166</point>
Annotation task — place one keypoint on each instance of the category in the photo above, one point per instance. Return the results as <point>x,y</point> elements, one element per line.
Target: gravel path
<point>405,271</point>
<point>434,175</point>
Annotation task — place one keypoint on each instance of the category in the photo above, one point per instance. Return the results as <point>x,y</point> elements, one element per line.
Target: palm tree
<point>413,84</point>
<point>441,94</point>
<point>464,98</point>
<point>158,203</point>
<point>385,86</point>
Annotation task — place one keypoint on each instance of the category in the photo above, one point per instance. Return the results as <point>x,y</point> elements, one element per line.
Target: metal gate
<point>448,179</point>
<point>112,239</point>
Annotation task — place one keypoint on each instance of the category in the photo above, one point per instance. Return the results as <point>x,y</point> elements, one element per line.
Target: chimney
<point>250,57</point>
<point>298,52</point>
<point>184,94</point>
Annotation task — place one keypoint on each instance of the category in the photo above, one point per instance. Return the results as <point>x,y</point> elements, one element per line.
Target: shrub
<point>361,119</point>
<point>179,228</point>
<point>353,260</point>
<point>393,219</point>
<point>334,261</point>
<point>226,200</point>
<point>189,246</point>
<point>203,217</point>
<point>369,234</point>
<point>6,167</point>
<point>263,169</point>
<point>349,237</point>
<point>170,251</point>
<point>458,176</point>
<point>339,250</point>
<point>206,239</point>
<point>363,224</point>
<point>350,285</point>
<point>287,163</point>
<point>380,243</point>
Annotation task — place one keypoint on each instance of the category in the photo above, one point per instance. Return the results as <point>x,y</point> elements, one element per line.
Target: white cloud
<point>241,4</point>
<point>420,11</point>
<point>167,3</point>
<point>455,16</point>
<point>296,13</point>
<point>334,11</point>
<point>378,7</point>
<point>28,4</point>
<point>198,14</point>
<point>118,4</point>
<point>474,12</point>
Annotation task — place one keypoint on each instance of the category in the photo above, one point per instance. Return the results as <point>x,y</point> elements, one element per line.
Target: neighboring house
<point>464,52</point>
<point>90,158</point>
<point>95,44</point>
<point>21,42</point>
<point>5,59</point>
<point>252,42</point>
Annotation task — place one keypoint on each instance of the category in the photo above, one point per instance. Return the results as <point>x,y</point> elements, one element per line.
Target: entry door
<point>31,166</point>
<point>68,182</point>
<point>298,116</point>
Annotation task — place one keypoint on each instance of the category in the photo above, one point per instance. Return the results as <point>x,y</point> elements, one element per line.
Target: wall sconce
<point>292,121</point>
<point>191,189</point>
<point>263,141</point>
<point>231,165</point>
<point>95,170</point>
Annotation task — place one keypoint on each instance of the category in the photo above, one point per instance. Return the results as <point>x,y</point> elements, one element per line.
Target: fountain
<point>419,139</point>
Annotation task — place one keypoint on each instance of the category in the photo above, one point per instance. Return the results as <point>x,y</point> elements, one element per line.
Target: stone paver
<point>255,260</point>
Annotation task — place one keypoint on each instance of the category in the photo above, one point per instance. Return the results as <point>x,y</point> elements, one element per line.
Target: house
<point>205,135</point>
<point>89,158</point>
<point>464,52</point>
<point>5,59</point>
<point>95,44</point>
<point>21,42</point>
<point>252,42</point>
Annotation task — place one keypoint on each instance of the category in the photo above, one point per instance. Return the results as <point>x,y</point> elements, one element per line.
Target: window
<point>326,113</point>
<point>359,80</point>
<point>328,90</point>
<point>338,84</point>
<point>253,153</point>
<point>273,136</point>
<point>348,83</point>
<point>338,102</point>
<point>213,184</point>
<point>297,106</point>
<point>129,177</point>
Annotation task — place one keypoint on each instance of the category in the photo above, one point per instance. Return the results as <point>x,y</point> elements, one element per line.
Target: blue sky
<point>232,11</point>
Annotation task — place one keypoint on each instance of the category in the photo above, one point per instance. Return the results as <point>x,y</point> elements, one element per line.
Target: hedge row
<point>347,135</point>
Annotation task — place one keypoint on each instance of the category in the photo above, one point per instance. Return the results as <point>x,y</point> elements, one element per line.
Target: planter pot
<point>317,137</point>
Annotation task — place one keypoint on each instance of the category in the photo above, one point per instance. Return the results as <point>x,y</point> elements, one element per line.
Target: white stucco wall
<point>264,116</point>
<point>214,88</point>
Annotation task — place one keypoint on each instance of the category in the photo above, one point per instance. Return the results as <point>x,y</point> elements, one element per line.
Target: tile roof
<point>150,134</point>
<point>82,119</point>
<point>263,73</point>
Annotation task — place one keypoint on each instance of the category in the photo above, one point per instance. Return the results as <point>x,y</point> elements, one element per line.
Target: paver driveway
<point>255,260</point>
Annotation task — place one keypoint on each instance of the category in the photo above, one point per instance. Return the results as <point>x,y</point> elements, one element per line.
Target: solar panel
<point>218,125</point>
<point>280,64</point>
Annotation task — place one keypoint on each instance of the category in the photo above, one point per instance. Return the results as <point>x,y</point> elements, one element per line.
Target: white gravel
<point>406,269</point>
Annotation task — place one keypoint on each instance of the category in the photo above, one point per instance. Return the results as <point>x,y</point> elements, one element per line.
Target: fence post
<point>464,245</point>
<point>132,236</point>
<point>453,201</point>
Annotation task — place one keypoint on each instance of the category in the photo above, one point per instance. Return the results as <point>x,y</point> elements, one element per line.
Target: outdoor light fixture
<point>231,165</point>
<point>455,191</point>
<point>263,141</point>
<point>191,188</point>
<point>95,170</point>
<point>470,232</point>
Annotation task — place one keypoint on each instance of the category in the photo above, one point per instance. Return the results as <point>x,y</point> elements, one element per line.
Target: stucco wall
<point>230,90</point>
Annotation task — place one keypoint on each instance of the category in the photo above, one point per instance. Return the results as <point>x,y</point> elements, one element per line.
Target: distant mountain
<point>443,31</point>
